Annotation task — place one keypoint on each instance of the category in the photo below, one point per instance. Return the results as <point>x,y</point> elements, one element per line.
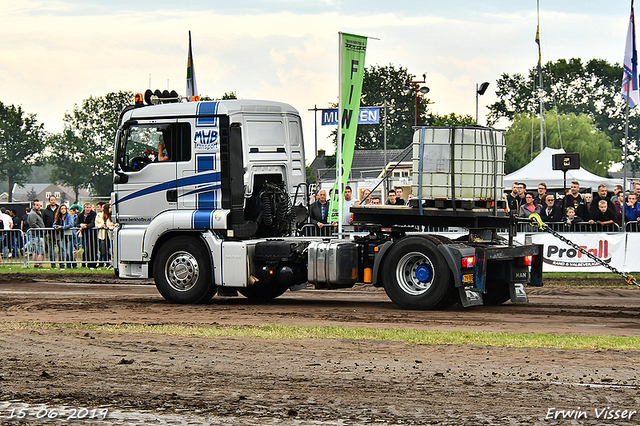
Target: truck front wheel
<point>416,275</point>
<point>182,271</point>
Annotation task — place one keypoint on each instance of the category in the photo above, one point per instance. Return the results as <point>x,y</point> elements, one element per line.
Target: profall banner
<point>559,257</point>
<point>352,53</point>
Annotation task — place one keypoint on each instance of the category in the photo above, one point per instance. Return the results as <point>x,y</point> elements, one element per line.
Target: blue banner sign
<point>369,115</point>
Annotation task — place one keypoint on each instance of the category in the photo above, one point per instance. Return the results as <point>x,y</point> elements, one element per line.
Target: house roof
<point>367,163</point>
<point>20,193</point>
<point>24,190</point>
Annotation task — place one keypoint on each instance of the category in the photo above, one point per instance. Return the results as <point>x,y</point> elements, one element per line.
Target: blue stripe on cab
<point>206,163</point>
<point>198,179</point>
<point>202,219</point>
<point>207,108</point>
<point>207,200</point>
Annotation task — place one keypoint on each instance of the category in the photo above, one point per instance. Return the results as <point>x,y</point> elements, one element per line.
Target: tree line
<point>81,155</point>
<point>583,104</point>
<point>584,112</point>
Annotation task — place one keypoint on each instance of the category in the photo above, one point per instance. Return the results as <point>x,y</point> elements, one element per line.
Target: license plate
<point>467,278</point>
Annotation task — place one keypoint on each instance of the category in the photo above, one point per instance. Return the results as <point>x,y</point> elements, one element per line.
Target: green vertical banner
<point>352,53</point>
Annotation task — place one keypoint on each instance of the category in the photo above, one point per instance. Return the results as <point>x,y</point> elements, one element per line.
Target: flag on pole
<point>538,42</point>
<point>352,54</point>
<point>192,87</point>
<point>631,65</point>
<point>539,50</point>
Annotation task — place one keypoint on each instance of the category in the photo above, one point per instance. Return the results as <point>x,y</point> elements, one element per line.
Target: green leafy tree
<point>389,83</point>
<point>572,86</point>
<point>578,133</point>
<point>451,119</point>
<point>227,95</point>
<point>32,194</point>
<point>41,172</point>
<point>311,175</point>
<point>21,144</point>
<point>69,160</point>
<point>85,147</point>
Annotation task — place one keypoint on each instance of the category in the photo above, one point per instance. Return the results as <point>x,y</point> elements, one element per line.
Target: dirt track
<point>249,381</point>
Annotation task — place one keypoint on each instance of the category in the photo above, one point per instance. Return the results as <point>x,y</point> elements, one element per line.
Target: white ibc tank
<point>476,162</point>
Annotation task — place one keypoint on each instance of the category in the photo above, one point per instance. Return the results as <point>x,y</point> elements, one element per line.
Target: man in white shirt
<point>7,223</point>
<point>346,206</point>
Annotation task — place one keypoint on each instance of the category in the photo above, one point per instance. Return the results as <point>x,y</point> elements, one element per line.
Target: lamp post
<point>479,92</point>
<point>315,110</point>
<point>416,89</point>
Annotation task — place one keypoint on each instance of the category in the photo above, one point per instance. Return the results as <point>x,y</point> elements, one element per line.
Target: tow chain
<point>536,220</point>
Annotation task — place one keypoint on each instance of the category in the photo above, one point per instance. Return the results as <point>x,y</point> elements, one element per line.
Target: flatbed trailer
<point>425,270</point>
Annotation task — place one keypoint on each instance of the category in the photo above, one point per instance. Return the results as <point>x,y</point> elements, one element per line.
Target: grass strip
<point>412,337</point>
<point>18,268</point>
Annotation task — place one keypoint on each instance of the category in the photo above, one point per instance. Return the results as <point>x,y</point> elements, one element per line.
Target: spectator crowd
<point>59,235</point>
<point>573,211</point>
<point>606,211</point>
<point>319,207</point>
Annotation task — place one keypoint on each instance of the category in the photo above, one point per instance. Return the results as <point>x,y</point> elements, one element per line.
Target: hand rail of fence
<point>581,227</point>
<point>67,248</point>
<point>93,247</point>
<point>313,230</point>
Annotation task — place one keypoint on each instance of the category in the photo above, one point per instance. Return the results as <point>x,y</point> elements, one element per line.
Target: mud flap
<point>470,296</point>
<point>518,293</point>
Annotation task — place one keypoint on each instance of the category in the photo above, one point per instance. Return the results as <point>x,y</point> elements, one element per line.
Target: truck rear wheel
<point>182,271</point>
<point>416,275</point>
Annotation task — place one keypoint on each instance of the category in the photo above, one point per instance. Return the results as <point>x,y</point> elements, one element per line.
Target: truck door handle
<point>172,196</point>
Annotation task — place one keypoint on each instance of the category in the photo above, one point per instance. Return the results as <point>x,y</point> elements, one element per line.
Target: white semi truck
<point>218,216</point>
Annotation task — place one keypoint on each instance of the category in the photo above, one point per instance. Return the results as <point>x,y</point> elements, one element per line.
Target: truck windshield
<point>140,145</point>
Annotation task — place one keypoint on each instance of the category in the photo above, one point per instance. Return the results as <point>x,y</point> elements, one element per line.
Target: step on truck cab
<point>206,196</point>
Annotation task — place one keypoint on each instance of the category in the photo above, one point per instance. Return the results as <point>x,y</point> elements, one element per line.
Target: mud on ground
<point>252,381</point>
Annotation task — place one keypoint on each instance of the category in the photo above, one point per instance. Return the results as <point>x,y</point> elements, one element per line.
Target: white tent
<point>540,170</point>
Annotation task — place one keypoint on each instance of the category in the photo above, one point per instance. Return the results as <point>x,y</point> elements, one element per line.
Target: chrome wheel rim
<point>415,273</point>
<point>182,271</point>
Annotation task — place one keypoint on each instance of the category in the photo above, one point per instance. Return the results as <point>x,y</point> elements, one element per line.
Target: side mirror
<point>120,177</point>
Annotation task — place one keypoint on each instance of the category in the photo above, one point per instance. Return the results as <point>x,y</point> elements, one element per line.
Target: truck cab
<point>189,168</point>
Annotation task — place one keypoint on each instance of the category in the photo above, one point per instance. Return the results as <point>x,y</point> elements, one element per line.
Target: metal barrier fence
<point>582,227</point>
<point>68,248</point>
<point>93,247</point>
<point>12,247</point>
<point>313,230</point>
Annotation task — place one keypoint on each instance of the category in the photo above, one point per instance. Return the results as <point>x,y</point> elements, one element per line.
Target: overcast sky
<point>54,54</point>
